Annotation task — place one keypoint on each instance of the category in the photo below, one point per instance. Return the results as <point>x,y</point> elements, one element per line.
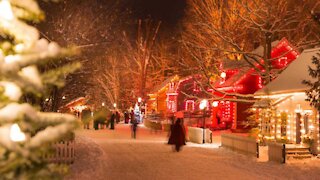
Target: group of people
<point>176,135</point>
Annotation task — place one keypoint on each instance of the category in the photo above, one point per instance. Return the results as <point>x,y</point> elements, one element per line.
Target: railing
<point>277,152</point>
<point>64,152</point>
<point>242,144</point>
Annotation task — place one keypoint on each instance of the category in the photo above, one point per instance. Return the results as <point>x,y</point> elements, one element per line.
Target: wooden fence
<point>242,144</point>
<point>64,152</point>
<point>277,152</point>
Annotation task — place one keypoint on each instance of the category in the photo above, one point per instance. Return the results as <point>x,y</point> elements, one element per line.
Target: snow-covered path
<point>107,154</point>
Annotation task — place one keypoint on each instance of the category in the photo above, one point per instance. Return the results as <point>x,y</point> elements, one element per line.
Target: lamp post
<point>140,111</point>
<point>202,106</point>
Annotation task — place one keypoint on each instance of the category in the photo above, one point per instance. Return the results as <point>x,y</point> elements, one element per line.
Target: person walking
<point>134,126</point>
<point>177,135</point>
<point>131,116</point>
<point>126,117</point>
<point>117,117</point>
<point>112,120</point>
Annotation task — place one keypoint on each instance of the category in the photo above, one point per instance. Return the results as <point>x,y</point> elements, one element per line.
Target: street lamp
<point>202,106</point>
<point>102,104</point>
<point>115,105</point>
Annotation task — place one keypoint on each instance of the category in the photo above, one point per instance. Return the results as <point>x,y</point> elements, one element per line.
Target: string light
<point>188,103</point>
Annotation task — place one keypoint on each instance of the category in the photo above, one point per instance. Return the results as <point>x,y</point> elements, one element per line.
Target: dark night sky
<point>168,11</point>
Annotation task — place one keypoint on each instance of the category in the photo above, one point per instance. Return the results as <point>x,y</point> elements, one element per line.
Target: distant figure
<point>117,116</point>
<point>177,135</point>
<point>131,116</point>
<point>126,117</point>
<point>134,126</point>
<point>112,119</point>
<point>86,118</point>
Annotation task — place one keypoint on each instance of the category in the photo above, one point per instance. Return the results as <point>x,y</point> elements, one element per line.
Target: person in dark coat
<point>177,135</point>
<point>126,117</point>
<point>117,117</point>
<point>131,116</point>
<point>112,120</point>
<point>134,126</point>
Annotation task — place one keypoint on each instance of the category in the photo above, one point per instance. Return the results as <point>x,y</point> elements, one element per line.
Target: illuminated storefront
<point>285,115</point>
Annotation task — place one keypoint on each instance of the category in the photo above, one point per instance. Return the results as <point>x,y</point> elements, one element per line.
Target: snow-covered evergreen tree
<point>313,93</point>
<point>27,134</point>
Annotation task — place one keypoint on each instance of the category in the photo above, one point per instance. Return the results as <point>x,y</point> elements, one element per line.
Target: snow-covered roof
<point>163,84</point>
<point>234,64</point>
<point>290,80</point>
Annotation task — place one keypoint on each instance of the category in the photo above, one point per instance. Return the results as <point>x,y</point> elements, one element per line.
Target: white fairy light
<point>223,75</point>
<point>16,134</point>
<point>203,104</point>
<point>215,103</point>
<point>6,10</point>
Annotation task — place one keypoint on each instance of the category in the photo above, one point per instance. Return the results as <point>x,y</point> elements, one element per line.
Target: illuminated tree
<point>221,29</point>
<point>109,78</point>
<point>139,54</point>
<point>92,27</point>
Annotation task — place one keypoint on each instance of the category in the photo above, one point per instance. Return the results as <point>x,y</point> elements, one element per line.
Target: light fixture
<point>223,75</point>
<point>215,103</point>
<point>63,97</point>
<point>139,99</point>
<point>6,10</point>
<point>102,104</point>
<point>203,104</point>
<point>114,105</point>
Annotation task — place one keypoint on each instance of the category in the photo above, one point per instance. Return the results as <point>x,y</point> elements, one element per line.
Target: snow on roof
<point>163,84</point>
<point>234,64</point>
<point>290,80</point>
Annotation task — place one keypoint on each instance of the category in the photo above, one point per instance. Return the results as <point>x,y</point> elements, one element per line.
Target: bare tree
<point>218,29</point>
<point>90,26</point>
<point>109,79</point>
<point>139,54</point>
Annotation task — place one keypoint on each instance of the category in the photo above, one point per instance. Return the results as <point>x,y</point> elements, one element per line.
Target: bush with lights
<point>26,134</point>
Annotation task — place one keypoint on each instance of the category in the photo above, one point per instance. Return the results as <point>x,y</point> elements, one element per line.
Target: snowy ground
<point>107,154</point>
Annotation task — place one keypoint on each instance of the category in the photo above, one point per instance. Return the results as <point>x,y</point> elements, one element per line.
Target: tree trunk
<point>267,57</point>
<point>54,105</point>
